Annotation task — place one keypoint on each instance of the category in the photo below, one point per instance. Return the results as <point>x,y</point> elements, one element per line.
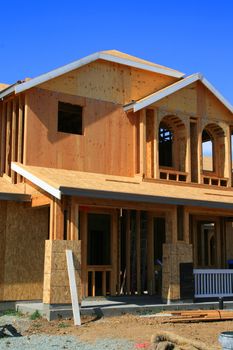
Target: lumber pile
<point>199,315</point>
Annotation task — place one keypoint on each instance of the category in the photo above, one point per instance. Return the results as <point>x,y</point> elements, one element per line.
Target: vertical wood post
<point>3,137</point>
<point>138,249</point>
<point>188,152</point>
<point>20,135</point>
<point>83,229</point>
<point>228,156</point>
<point>58,219</point>
<point>114,252</point>
<point>150,256</point>
<point>156,145</point>
<point>128,250</point>
<point>8,138</point>
<point>142,142</point>
<point>186,226</point>
<point>74,218</point>
<point>14,137</point>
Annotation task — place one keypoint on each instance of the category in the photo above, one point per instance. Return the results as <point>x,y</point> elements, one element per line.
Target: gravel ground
<point>52,342</point>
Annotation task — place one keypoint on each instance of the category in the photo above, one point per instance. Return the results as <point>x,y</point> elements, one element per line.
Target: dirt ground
<point>135,328</point>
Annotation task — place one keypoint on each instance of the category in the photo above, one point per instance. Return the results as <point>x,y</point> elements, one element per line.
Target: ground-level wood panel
<point>26,232</point>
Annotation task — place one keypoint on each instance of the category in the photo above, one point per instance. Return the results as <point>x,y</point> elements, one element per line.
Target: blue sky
<point>191,36</point>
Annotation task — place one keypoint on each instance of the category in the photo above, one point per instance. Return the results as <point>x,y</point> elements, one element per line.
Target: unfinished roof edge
<point>150,99</point>
<point>103,55</point>
<point>35,180</point>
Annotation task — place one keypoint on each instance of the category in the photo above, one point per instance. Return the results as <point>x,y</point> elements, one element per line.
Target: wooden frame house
<point>104,156</point>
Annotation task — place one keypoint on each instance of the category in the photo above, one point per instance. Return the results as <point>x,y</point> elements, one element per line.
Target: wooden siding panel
<point>107,145</point>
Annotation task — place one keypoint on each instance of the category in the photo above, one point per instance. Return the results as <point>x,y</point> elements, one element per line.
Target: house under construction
<point>105,156</point>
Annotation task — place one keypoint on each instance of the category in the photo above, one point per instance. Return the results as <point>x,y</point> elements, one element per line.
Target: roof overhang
<point>157,96</point>
<point>58,182</point>
<point>102,55</point>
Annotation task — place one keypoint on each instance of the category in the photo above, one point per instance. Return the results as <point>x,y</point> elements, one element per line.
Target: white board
<point>73,288</point>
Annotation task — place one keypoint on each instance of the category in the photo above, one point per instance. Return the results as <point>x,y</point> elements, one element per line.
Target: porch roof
<point>60,182</point>
<point>10,192</point>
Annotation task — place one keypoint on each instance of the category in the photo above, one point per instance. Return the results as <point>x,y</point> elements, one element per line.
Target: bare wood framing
<point>138,249</point>
<point>3,137</point>
<point>8,138</point>
<point>14,138</point>
<point>20,134</point>
<point>142,141</point>
<point>128,240</point>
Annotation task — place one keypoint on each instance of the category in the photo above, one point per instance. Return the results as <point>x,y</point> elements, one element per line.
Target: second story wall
<point>106,146</point>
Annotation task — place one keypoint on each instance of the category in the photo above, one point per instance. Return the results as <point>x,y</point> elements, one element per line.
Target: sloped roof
<point>110,55</point>
<point>60,182</point>
<point>150,99</point>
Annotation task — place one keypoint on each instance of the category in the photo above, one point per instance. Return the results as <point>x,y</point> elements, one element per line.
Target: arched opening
<point>207,151</point>
<point>165,146</point>
<point>172,143</point>
<point>213,150</point>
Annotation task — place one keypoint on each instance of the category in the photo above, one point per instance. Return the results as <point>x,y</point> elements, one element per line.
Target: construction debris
<point>198,316</point>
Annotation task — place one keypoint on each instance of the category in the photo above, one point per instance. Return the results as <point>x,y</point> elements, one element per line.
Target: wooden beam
<point>142,141</point>
<point>58,220</point>
<point>188,151</point>
<point>3,137</point>
<point>150,255</point>
<point>74,219</point>
<point>138,250</point>
<point>51,220</point>
<point>14,137</point>
<point>186,226</point>
<point>156,144</point>
<point>20,134</point>
<point>8,138</point>
<point>128,250</point>
<point>40,201</point>
<point>114,252</point>
<point>83,229</point>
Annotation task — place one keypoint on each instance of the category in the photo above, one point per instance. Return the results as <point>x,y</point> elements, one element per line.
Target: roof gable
<point>157,96</point>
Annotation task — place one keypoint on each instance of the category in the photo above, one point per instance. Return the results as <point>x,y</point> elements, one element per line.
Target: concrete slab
<point>115,306</point>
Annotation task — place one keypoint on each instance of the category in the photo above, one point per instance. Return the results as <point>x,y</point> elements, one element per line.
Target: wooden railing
<point>213,283</point>
<point>213,180</point>
<point>103,271</point>
<point>173,175</point>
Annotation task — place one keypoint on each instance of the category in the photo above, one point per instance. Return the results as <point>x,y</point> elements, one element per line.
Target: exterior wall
<point>107,145</point>
<point>108,81</point>
<point>26,230</point>
<point>56,282</point>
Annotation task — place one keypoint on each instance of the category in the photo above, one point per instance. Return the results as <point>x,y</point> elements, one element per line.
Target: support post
<point>156,145</point>
<point>128,249</point>
<point>138,249</point>
<point>142,141</point>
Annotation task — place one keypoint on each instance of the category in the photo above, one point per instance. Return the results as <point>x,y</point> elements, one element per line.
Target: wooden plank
<point>3,137</point>
<point>40,201</point>
<point>74,225</point>
<point>93,283</point>
<point>150,255</point>
<point>142,141</point>
<point>83,229</point>
<point>128,250</point>
<point>138,250</point>
<point>8,139</point>
<point>73,288</point>
<point>58,220</point>
<point>51,220</point>
<point>156,145</point>
<point>114,249</point>
<point>20,135</point>
<point>104,283</point>
<point>14,137</point>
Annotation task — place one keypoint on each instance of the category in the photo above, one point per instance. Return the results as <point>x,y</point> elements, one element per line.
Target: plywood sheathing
<point>108,81</point>
<point>108,133</point>
<point>56,283</point>
<point>130,186</point>
<point>26,231</point>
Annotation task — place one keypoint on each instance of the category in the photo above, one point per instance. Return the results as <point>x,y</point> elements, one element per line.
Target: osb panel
<point>108,81</point>
<point>26,232</point>
<point>173,255</point>
<point>56,281</point>
<point>184,100</point>
<point>108,133</point>
<point>198,101</point>
<point>3,207</point>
